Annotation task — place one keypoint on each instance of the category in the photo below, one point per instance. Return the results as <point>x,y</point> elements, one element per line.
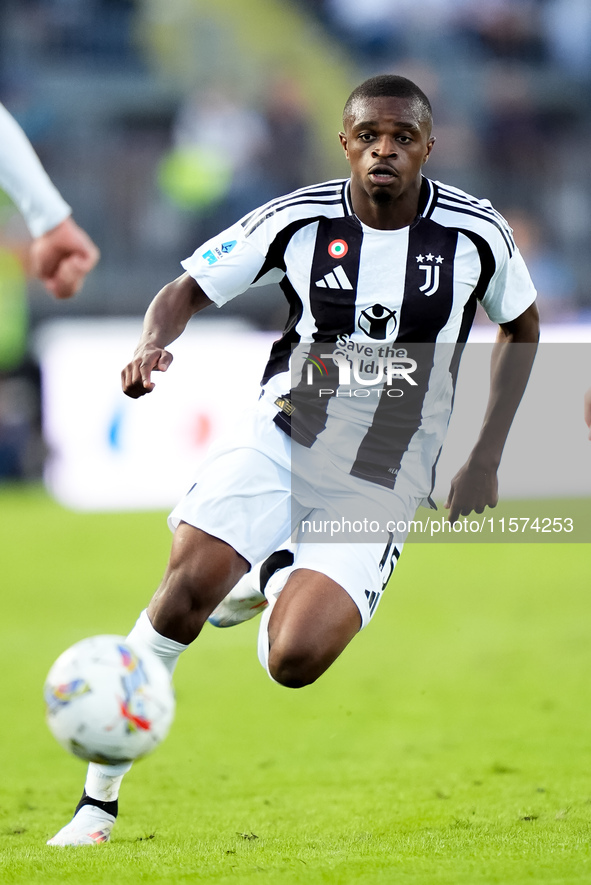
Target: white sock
<point>263,639</point>
<point>103,781</point>
<point>168,650</point>
<point>275,585</point>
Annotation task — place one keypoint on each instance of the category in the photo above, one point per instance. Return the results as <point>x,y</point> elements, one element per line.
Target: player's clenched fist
<point>62,258</point>
<point>136,377</point>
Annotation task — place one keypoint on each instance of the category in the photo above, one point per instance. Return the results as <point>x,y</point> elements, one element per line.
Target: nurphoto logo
<point>376,368</point>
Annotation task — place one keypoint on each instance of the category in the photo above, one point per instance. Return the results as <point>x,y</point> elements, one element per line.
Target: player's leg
<point>201,571</point>
<point>312,622</point>
<point>319,604</point>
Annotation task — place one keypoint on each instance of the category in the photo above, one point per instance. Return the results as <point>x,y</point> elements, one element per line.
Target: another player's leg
<point>200,572</point>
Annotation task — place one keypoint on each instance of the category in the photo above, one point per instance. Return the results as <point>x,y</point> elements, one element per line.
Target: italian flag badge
<point>338,249</point>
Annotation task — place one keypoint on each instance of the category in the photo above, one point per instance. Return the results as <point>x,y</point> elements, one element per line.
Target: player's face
<point>386,143</point>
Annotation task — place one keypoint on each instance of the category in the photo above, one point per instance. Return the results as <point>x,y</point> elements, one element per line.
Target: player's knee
<point>293,668</point>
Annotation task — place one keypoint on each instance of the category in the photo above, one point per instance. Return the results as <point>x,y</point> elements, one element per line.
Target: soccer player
<point>387,264</point>
<point>62,254</point>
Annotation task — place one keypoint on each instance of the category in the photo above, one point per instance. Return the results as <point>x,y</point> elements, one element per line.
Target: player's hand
<point>587,410</point>
<point>136,377</point>
<point>474,487</point>
<point>62,257</point>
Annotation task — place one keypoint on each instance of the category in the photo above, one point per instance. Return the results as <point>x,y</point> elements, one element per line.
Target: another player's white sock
<point>274,587</point>
<point>103,781</point>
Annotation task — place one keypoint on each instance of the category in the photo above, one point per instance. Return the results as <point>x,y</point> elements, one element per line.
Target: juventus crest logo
<point>431,284</point>
<point>378,322</point>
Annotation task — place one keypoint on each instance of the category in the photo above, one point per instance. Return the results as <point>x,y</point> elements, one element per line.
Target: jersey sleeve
<point>510,291</point>
<point>25,180</point>
<point>230,263</point>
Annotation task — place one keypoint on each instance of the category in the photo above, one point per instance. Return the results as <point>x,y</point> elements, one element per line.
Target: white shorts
<point>246,494</point>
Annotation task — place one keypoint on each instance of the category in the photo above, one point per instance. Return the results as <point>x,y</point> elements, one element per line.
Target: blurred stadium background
<point>162,122</point>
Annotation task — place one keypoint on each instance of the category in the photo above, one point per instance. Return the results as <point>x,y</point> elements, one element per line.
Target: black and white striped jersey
<point>360,298</point>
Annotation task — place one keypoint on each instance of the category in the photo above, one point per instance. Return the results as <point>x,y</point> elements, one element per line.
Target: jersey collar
<point>426,199</point>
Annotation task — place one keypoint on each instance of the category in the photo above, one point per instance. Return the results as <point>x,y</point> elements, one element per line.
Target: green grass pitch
<point>450,744</point>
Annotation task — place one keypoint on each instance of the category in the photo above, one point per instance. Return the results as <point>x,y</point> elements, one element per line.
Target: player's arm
<point>475,486</point>
<point>166,318</point>
<point>61,253</point>
<point>25,180</point>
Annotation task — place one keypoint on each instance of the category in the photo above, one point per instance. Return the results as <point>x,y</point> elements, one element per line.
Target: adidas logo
<point>336,279</point>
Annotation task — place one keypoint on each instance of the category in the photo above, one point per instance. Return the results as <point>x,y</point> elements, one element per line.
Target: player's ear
<point>343,140</point>
<point>430,144</point>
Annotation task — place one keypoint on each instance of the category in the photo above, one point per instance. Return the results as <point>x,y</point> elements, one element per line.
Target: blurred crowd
<point>154,166</point>
<point>528,31</point>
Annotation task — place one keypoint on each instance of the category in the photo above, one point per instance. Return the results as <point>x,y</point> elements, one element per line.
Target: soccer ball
<point>108,701</point>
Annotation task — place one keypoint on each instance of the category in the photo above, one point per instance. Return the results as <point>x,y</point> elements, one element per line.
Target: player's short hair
<point>386,86</point>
